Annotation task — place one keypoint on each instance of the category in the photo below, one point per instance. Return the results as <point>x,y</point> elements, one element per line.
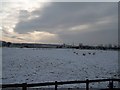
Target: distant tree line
<point>5,44</point>
<point>80,46</point>
<point>100,47</point>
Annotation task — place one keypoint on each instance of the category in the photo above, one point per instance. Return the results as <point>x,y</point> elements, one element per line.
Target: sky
<point>59,22</point>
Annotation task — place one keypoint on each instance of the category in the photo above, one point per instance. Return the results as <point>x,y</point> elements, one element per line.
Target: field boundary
<point>56,83</point>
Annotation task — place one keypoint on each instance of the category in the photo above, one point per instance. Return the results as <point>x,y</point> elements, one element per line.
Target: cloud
<point>13,12</point>
<point>66,15</point>
<point>93,35</point>
<point>69,22</point>
<point>35,36</point>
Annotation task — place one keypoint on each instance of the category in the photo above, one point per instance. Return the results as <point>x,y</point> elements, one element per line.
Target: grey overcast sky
<point>60,22</point>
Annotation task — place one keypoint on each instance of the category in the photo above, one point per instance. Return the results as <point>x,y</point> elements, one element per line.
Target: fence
<point>87,82</point>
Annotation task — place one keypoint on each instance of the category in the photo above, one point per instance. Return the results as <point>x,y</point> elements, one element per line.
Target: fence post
<point>24,86</point>
<point>111,84</point>
<point>87,84</point>
<point>55,85</point>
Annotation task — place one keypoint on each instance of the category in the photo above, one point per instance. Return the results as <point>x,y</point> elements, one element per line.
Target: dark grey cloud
<point>93,36</point>
<point>58,17</point>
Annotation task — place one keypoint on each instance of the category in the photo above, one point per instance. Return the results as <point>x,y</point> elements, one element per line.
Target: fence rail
<point>87,82</point>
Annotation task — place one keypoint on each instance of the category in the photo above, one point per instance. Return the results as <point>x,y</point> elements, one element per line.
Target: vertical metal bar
<point>87,84</point>
<point>55,85</point>
<point>24,86</point>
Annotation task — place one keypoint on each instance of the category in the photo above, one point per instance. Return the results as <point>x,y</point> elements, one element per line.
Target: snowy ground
<point>41,65</point>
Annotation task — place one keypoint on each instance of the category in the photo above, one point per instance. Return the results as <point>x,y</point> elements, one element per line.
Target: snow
<point>41,65</point>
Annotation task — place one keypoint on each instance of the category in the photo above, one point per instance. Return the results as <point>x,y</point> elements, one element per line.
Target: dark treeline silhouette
<point>80,46</point>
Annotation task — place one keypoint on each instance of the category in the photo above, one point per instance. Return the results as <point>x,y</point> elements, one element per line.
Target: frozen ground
<point>21,65</point>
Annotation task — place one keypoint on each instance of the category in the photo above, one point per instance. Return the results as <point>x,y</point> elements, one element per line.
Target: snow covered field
<point>40,65</point>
